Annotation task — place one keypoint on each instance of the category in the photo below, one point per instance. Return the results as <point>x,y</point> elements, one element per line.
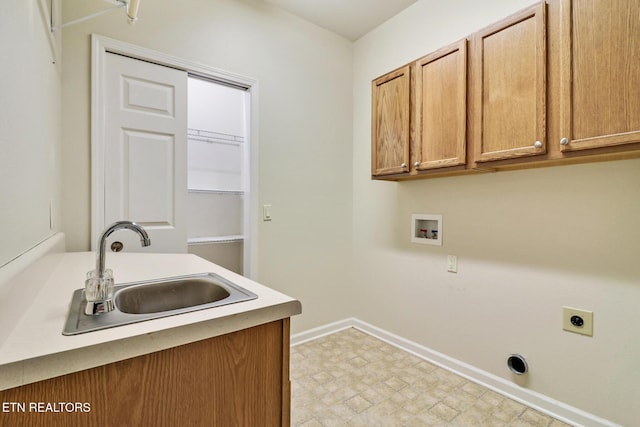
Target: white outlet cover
<point>587,318</point>
<point>452,263</point>
<point>266,213</point>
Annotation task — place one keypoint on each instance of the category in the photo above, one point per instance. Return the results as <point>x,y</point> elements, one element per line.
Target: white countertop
<point>35,349</point>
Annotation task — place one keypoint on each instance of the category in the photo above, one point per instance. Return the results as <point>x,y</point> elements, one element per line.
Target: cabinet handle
<point>404,165</point>
<point>416,164</point>
<point>538,144</point>
<point>564,141</point>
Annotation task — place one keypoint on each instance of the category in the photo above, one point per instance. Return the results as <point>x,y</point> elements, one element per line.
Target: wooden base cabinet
<point>238,379</point>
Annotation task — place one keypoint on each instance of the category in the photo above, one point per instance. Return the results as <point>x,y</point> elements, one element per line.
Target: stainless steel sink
<point>152,299</point>
<point>171,295</point>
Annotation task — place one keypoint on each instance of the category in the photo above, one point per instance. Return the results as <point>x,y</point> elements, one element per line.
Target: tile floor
<point>350,378</point>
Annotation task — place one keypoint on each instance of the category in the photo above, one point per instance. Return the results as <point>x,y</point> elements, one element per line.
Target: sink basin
<point>172,295</point>
<point>152,299</point>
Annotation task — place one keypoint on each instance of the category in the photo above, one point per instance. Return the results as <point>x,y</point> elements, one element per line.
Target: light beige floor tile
<point>474,389</point>
<point>358,404</point>
<point>351,379</point>
<point>536,418</point>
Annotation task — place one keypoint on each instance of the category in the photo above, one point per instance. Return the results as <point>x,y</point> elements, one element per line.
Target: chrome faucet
<point>102,242</point>
<point>98,288</point>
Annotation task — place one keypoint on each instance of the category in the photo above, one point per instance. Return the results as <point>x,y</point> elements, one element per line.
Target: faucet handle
<point>96,307</point>
<point>98,292</point>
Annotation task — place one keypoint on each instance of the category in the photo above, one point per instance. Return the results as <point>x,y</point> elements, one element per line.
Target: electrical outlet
<point>578,321</point>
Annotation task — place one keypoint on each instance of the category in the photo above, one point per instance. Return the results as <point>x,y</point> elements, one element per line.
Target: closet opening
<point>218,172</point>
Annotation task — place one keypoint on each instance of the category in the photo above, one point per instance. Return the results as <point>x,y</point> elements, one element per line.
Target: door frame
<point>100,46</point>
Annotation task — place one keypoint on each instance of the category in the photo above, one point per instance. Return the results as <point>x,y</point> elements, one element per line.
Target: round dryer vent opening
<point>517,364</point>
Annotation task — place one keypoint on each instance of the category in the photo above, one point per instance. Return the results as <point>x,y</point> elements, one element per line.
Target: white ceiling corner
<point>349,18</point>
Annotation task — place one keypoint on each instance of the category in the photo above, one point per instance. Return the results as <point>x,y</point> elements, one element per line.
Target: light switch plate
<point>266,213</point>
<point>577,321</point>
<point>452,263</point>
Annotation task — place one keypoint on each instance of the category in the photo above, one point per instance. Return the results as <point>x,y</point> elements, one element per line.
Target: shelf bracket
<point>121,3</point>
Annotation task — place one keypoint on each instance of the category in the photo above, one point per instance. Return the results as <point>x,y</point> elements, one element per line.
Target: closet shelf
<point>215,239</point>
<point>214,137</point>
<point>214,191</point>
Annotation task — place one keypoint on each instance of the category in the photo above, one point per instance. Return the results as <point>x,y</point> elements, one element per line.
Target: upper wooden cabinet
<point>556,83</point>
<point>509,83</point>
<point>390,122</point>
<point>600,73</point>
<point>441,108</point>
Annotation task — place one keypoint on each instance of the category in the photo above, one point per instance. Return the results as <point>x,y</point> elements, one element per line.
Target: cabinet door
<point>509,81</point>
<point>237,379</point>
<point>390,121</point>
<point>600,81</point>
<point>441,108</point>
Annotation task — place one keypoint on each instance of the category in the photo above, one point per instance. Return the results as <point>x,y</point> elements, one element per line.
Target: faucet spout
<point>98,288</point>
<point>102,242</point>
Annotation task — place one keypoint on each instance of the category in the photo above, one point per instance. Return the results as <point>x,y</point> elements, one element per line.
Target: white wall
<point>528,242</point>
<point>216,107</point>
<point>302,157</point>
<point>219,109</point>
<point>29,129</point>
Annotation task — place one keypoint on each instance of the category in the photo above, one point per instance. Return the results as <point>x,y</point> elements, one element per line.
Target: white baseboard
<point>540,402</point>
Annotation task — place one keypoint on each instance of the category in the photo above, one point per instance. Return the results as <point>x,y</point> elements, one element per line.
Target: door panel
<point>145,154</point>
<point>147,97</point>
<point>150,191</point>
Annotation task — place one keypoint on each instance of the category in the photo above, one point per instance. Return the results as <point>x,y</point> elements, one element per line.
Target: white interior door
<point>145,152</point>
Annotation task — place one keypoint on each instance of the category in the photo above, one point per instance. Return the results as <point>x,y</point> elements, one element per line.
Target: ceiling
<point>349,18</point>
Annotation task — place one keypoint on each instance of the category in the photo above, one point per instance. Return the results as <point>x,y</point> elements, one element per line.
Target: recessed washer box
<point>426,229</point>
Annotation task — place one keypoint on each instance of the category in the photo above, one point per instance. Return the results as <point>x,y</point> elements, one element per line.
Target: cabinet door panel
<point>391,122</point>
<point>441,108</point>
<point>510,87</point>
<point>237,379</point>
<point>600,83</point>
